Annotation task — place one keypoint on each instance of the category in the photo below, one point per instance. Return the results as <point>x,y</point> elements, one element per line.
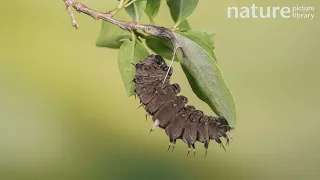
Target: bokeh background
<point>64,113</point>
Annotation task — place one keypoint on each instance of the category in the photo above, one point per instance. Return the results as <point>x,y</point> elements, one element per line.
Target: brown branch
<point>128,26</point>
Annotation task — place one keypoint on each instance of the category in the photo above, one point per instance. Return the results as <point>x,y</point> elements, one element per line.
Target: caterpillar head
<point>223,123</point>
<point>218,127</point>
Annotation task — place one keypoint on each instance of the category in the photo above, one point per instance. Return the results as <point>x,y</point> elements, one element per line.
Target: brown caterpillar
<point>169,111</point>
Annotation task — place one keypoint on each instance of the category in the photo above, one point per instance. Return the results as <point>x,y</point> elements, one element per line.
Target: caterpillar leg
<point>231,133</point>
<point>227,138</point>
<point>206,145</point>
<point>194,149</point>
<point>170,143</point>
<point>140,106</point>
<point>189,148</point>
<point>221,145</point>
<point>173,143</point>
<point>133,80</point>
<point>133,64</point>
<point>155,125</point>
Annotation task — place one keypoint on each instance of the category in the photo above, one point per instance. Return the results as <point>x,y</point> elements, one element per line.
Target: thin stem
<point>122,4</point>
<point>170,66</point>
<point>131,2</point>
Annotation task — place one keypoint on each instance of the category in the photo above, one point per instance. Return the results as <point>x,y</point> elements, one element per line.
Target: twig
<point>73,19</point>
<point>125,25</point>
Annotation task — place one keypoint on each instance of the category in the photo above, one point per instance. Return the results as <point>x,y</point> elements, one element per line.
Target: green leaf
<point>130,52</point>
<point>136,9</point>
<point>112,36</point>
<point>202,37</point>
<point>205,78</point>
<point>152,9</point>
<point>206,35</point>
<point>163,47</point>
<point>184,26</point>
<point>181,9</point>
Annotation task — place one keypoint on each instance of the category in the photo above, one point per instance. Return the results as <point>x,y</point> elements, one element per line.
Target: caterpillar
<point>170,111</point>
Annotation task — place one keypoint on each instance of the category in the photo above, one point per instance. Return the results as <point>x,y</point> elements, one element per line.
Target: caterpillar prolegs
<point>169,111</point>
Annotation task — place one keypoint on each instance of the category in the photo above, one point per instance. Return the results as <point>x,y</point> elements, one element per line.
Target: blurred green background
<point>64,113</point>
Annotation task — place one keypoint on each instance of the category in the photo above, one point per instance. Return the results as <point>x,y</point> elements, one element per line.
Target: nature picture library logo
<point>256,12</point>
